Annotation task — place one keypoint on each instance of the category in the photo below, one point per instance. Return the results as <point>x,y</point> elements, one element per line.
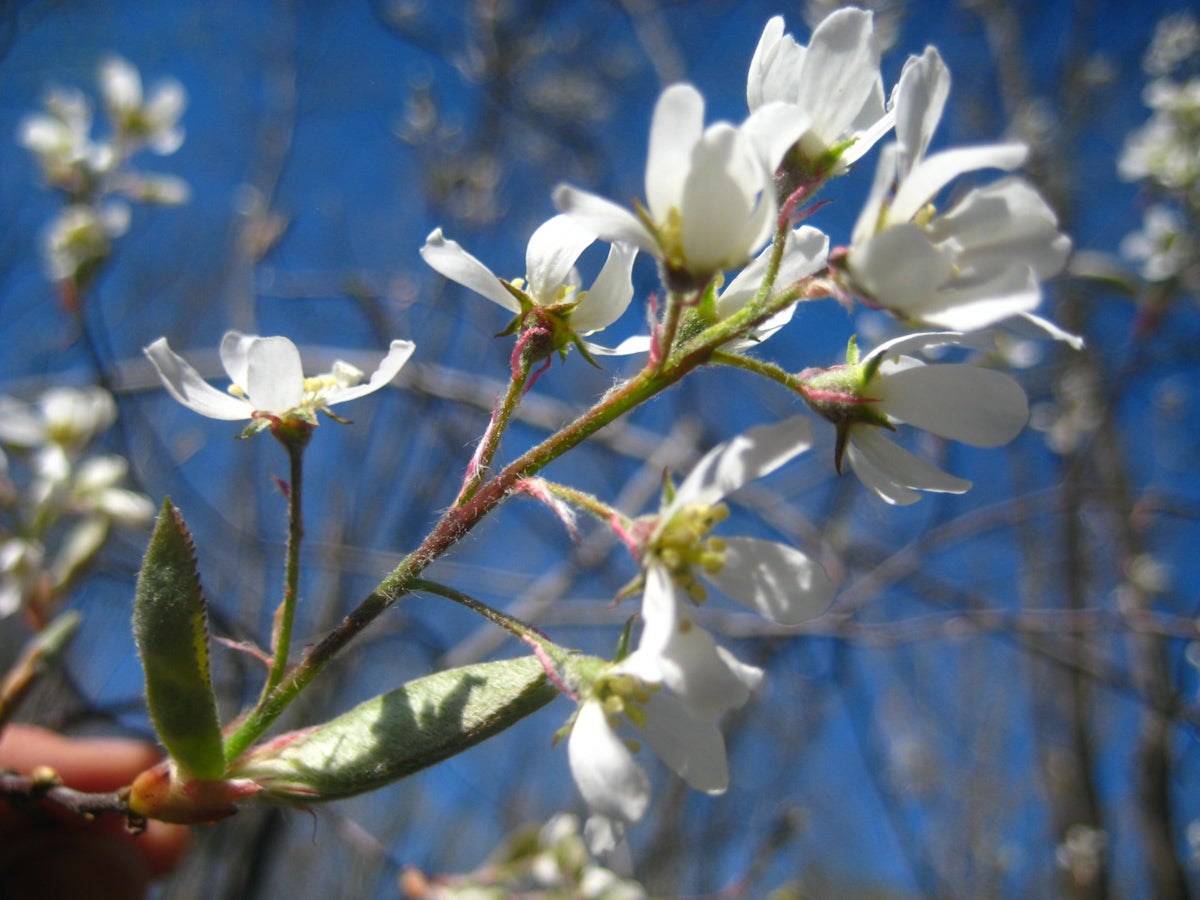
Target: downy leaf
<point>171,629</point>
<point>398,733</point>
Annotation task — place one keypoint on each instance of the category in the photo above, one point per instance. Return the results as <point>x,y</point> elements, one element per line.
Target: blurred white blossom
<point>1163,246</point>
<point>93,172</point>
<point>59,504</point>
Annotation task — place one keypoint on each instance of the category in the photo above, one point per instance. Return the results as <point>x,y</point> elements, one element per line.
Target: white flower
<point>67,416</point>
<point>970,267</point>
<point>980,407</point>
<point>678,682</point>
<point>672,695</point>
<point>153,120</point>
<point>833,86</point>
<point>1167,148</point>
<point>710,202</point>
<point>1163,245</point>
<point>60,138</point>
<point>551,283</point>
<point>80,237</point>
<point>268,381</point>
<point>773,579</point>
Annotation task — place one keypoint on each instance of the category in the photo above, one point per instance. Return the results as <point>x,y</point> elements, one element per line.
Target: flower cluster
<point>59,503</point>
<point>725,199</point>
<point>678,681</point>
<point>1165,153</point>
<point>94,174</point>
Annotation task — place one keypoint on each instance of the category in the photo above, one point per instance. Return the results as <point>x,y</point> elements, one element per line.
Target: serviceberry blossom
<point>268,381</point>
<point>549,297</point>
<point>1163,246</point>
<point>977,406</point>
<point>773,579</point>
<point>678,682</point>
<point>831,88</point>
<point>670,692</point>
<point>976,264</point>
<point>152,121</point>
<point>710,198</point>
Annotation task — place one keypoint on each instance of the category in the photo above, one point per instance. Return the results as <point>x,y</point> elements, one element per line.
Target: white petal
<point>727,203</point>
<point>185,385</point>
<point>390,366</point>
<point>870,218</point>
<point>676,652</point>
<point>638,343</point>
<point>767,51</point>
<point>931,175</point>
<point>605,218</point>
<point>975,305</point>
<point>20,425</point>
<point>909,343</point>
<point>449,259</point>
<point>1001,223</point>
<point>899,268</point>
<point>691,745</point>
<point>275,377</point>
<point>608,777</point>
<point>675,129</point>
<point>894,473</point>
<point>919,99</point>
<point>120,84</point>
<point>610,293</point>
<point>751,455</point>
<point>775,580</point>
<point>552,252</point>
<point>774,128</point>
<point>840,71</point>
<point>980,407</point>
<point>235,356</point>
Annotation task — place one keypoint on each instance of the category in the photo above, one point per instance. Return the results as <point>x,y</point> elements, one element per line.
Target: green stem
<point>585,501</point>
<point>516,627</point>
<point>759,367</point>
<point>490,442</point>
<point>285,615</point>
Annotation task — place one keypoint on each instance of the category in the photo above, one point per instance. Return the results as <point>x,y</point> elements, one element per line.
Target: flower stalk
<point>294,436</point>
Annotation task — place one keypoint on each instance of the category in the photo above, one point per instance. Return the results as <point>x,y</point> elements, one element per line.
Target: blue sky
<point>348,126</point>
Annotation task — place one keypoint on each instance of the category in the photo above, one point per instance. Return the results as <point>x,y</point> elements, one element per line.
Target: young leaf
<point>398,733</point>
<point>171,630</point>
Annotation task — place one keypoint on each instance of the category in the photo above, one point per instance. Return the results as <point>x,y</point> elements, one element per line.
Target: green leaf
<point>398,733</point>
<point>171,630</point>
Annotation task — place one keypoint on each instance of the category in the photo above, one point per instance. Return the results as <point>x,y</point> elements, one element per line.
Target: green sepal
<point>398,733</point>
<point>170,626</point>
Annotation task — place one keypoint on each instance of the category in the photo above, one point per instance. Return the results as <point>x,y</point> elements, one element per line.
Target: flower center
<point>684,545</point>
<point>623,695</point>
